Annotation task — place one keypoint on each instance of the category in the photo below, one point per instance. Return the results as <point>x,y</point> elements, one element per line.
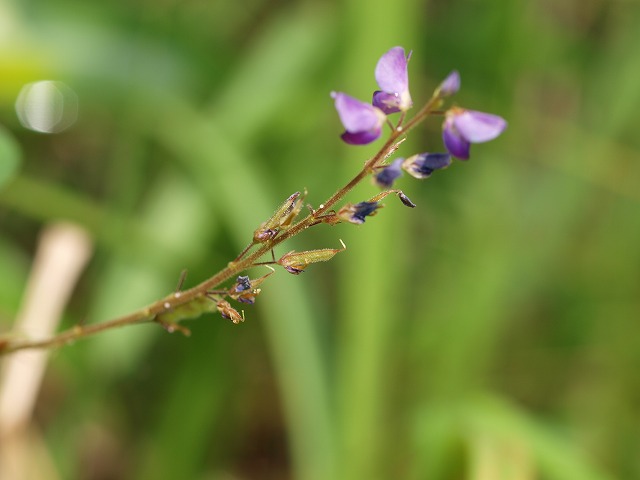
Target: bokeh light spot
<point>47,106</point>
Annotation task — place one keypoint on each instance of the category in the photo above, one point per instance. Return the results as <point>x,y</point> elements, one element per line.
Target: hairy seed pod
<point>281,218</point>
<point>296,262</point>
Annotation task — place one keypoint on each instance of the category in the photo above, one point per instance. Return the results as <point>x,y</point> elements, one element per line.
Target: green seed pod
<point>282,217</point>
<point>296,262</point>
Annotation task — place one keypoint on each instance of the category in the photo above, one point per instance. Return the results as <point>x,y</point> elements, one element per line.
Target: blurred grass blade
<point>10,156</point>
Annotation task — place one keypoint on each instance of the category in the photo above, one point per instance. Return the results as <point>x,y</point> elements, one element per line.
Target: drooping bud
<point>228,312</point>
<point>406,201</point>
<point>281,219</point>
<point>296,262</point>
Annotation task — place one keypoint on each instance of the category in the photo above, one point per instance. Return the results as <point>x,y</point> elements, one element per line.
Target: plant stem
<point>244,261</point>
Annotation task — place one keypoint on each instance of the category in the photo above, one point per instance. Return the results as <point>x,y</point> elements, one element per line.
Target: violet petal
<point>478,127</point>
<point>362,122</point>
<point>387,102</point>
<point>392,76</point>
<point>391,71</point>
<point>361,138</point>
<point>356,116</point>
<point>455,144</point>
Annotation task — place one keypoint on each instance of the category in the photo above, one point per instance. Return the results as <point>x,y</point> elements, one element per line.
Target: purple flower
<point>463,127</point>
<point>449,85</point>
<point>385,177</point>
<point>362,122</point>
<point>393,80</point>
<point>422,165</point>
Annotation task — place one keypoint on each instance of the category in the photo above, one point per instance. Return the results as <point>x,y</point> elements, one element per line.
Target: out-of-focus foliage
<point>490,333</point>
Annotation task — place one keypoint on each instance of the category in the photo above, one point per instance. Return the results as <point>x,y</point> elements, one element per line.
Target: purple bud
<point>423,165</point>
<point>449,85</point>
<point>385,177</point>
<point>362,122</point>
<point>387,102</point>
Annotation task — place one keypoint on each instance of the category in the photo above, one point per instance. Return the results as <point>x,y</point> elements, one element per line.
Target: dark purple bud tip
<point>294,270</point>
<point>362,210</point>
<point>424,164</point>
<point>406,200</point>
<point>242,283</point>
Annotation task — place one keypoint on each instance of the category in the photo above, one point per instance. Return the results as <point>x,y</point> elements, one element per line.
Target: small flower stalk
<point>363,124</point>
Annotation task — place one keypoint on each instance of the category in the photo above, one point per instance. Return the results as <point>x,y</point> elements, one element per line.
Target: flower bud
<point>406,201</point>
<point>387,175</point>
<point>449,85</point>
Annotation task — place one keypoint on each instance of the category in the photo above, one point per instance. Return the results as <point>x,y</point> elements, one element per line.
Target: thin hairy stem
<point>158,310</point>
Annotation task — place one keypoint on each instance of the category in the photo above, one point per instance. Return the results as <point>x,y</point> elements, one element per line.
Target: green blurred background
<point>491,333</point>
